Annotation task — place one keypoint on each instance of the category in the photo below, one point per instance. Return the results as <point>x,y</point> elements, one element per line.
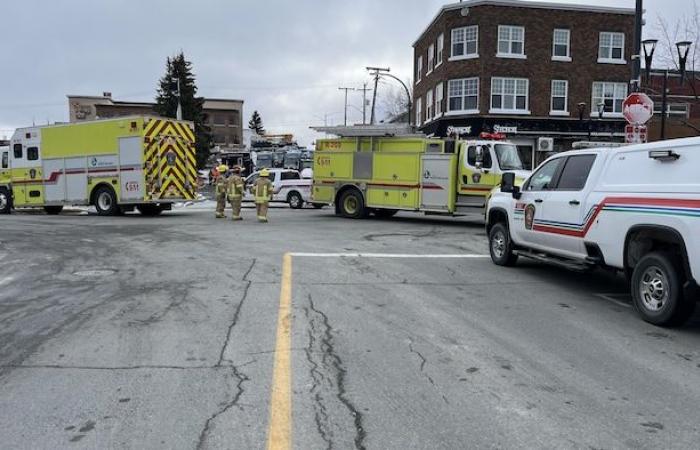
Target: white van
<point>634,208</point>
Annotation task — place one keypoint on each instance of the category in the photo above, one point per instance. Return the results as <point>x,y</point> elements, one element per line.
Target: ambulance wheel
<point>352,205</point>
<point>53,210</point>
<point>295,201</point>
<point>657,290</point>
<point>149,210</point>
<point>106,202</point>
<point>5,201</point>
<point>501,246</point>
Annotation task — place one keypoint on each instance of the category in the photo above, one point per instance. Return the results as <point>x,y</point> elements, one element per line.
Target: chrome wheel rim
<point>294,201</point>
<point>104,201</point>
<point>653,288</point>
<point>3,200</point>
<point>498,244</point>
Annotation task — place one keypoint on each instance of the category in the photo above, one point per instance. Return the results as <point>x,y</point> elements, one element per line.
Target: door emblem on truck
<point>171,157</point>
<point>476,177</point>
<point>529,216</point>
<point>32,173</point>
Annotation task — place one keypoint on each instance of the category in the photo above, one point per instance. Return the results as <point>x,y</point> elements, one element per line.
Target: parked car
<point>635,209</point>
<point>288,186</point>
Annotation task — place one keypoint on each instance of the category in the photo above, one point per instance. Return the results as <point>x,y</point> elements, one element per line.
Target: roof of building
<point>104,100</point>
<point>383,130</point>
<point>527,4</point>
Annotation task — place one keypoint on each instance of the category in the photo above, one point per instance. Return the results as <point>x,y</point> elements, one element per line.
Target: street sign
<point>637,108</point>
<point>636,134</point>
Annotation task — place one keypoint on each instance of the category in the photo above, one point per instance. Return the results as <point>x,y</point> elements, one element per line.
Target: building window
<point>419,69</point>
<point>509,95</point>
<point>560,100</point>
<point>511,41</point>
<point>439,96</point>
<point>560,45</point>
<point>673,109</point>
<point>465,42</point>
<point>418,112</point>
<point>611,48</point>
<point>440,49</point>
<point>429,105</point>
<point>431,58</point>
<point>463,95</point>
<point>611,95</point>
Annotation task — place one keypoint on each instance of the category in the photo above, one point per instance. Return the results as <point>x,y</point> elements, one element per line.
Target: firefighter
<point>262,189</point>
<point>221,192</point>
<point>235,189</point>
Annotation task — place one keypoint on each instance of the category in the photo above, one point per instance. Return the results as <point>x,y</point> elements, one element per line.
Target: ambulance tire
<point>53,210</point>
<point>501,246</point>
<point>149,210</point>
<point>352,205</point>
<point>295,201</point>
<point>657,278</point>
<point>105,201</point>
<point>5,201</point>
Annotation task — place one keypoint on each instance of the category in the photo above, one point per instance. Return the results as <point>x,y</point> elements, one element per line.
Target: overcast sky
<point>284,58</point>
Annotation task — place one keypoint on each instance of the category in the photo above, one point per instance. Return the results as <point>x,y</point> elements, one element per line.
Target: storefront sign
<point>460,131</point>
<point>503,129</point>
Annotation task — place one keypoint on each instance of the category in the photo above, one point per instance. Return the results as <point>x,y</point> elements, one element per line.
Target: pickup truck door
<point>563,223</point>
<point>527,210</point>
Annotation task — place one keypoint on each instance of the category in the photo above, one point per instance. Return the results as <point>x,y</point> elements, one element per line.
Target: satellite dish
<point>464,12</point>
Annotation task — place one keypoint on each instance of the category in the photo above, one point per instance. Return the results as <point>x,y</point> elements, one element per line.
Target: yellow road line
<point>279,433</point>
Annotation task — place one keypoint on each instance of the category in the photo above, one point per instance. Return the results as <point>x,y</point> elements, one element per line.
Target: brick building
<point>526,69</point>
<point>223,116</point>
<point>682,104</point>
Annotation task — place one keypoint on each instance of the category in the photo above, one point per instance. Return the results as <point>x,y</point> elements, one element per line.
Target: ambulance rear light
<point>664,155</point>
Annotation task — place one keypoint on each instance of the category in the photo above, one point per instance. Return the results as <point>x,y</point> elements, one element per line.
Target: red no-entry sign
<point>638,108</point>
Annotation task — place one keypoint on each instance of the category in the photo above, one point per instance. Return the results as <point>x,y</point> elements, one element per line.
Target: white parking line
<point>611,298</point>
<point>387,255</point>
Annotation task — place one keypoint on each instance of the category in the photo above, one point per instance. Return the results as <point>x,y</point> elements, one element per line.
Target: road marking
<point>611,298</point>
<point>279,436</point>
<point>388,255</point>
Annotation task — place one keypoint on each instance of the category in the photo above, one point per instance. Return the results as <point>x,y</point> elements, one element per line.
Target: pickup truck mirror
<point>508,184</point>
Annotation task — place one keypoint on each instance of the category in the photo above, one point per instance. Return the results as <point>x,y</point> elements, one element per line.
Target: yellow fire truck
<point>380,170</point>
<point>147,163</point>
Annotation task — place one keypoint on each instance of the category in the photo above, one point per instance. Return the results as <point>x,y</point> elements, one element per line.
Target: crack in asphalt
<point>320,412</point>
<point>237,374</point>
<point>423,361</point>
<point>332,362</point>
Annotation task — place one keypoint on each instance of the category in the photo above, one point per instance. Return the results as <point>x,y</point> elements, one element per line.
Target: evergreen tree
<point>178,68</point>
<point>256,124</point>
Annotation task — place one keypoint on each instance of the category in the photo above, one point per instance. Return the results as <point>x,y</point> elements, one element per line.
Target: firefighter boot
<point>236,208</point>
<point>220,206</point>
<point>262,212</point>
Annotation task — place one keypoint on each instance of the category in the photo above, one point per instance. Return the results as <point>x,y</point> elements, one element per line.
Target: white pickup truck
<point>288,186</point>
<point>634,208</point>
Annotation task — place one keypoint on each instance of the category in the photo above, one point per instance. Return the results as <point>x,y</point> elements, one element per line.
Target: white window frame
<point>439,97</point>
<point>431,59</point>
<point>615,85</point>
<point>440,50</point>
<point>419,111</point>
<point>429,105</point>
<point>515,95</point>
<point>556,112</point>
<point>463,87</point>
<point>419,69</point>
<point>510,40</point>
<point>468,29</point>
<point>608,59</point>
<point>567,57</point>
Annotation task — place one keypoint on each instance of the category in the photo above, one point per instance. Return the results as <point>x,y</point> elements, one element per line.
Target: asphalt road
<point>134,332</point>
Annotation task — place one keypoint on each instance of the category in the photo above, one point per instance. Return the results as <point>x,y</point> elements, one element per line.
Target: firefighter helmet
<point>223,168</point>
<point>236,169</point>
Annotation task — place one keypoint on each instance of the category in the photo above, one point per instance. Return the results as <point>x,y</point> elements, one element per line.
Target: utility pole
<point>346,89</point>
<point>377,72</point>
<point>364,103</point>
<point>637,63</point>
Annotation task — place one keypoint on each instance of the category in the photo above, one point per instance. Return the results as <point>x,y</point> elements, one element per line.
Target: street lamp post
<point>380,72</point>
<point>601,111</point>
<point>581,110</point>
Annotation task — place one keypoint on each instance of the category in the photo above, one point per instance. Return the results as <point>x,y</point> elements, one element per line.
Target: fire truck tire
<point>149,210</point>
<point>53,210</point>
<point>295,201</point>
<point>501,246</point>
<point>105,201</point>
<point>5,201</point>
<point>352,205</point>
<point>385,213</point>
<point>657,290</point>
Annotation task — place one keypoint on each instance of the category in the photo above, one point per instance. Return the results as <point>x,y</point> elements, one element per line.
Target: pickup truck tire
<point>106,202</point>
<point>352,205</point>
<point>5,201</point>
<point>295,201</point>
<point>657,290</point>
<point>53,210</point>
<point>501,246</point>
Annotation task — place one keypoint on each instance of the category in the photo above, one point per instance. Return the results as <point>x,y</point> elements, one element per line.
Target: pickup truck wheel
<point>106,202</point>
<point>295,201</point>
<point>501,247</point>
<point>53,210</point>
<point>5,201</point>
<point>352,205</point>
<point>657,290</point>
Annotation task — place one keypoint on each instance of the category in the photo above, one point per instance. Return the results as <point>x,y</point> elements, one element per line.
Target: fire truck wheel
<point>106,202</point>
<point>352,205</point>
<point>5,201</point>
<point>295,201</point>
<point>501,246</point>
<point>150,210</point>
<point>53,210</point>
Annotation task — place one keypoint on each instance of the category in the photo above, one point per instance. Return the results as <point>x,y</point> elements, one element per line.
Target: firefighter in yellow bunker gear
<point>263,190</point>
<point>234,191</point>
<point>221,184</point>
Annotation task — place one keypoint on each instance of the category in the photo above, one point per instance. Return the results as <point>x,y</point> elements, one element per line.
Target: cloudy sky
<point>284,58</point>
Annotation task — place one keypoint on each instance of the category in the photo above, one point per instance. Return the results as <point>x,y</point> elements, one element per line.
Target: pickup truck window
<point>290,176</point>
<point>542,179</point>
<point>471,157</point>
<point>575,173</point>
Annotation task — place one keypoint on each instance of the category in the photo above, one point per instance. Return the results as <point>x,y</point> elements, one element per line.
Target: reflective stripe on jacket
<point>263,190</point>
<point>235,187</point>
